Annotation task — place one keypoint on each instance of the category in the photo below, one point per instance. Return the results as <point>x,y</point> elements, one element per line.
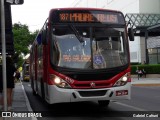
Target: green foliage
<point>150,69</point>
<point>20,61</point>
<point>23,38</point>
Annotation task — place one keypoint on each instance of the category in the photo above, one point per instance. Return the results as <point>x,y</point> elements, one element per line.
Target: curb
<point>148,85</point>
<point>27,102</point>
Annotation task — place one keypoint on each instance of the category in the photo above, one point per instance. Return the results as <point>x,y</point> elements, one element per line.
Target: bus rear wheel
<point>103,103</point>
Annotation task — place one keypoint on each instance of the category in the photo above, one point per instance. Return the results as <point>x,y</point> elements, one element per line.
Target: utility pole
<point>3,42</point>
<point>3,55</point>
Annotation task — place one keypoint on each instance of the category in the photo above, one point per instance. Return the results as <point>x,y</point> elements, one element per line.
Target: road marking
<point>130,106</point>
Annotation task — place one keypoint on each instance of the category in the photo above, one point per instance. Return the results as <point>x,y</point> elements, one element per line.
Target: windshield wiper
<point>79,37</point>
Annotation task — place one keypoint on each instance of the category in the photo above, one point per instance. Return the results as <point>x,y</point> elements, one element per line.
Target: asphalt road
<point>144,101</point>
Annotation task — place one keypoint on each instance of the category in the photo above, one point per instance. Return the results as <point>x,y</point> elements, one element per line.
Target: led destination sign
<point>88,17</point>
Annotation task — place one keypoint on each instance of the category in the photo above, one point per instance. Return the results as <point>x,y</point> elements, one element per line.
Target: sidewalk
<point>20,104</point>
<point>20,100</point>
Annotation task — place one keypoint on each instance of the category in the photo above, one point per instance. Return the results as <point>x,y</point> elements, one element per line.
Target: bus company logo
<point>93,85</point>
<point>69,80</point>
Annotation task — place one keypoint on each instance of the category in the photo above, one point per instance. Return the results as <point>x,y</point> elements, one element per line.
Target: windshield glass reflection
<point>101,47</point>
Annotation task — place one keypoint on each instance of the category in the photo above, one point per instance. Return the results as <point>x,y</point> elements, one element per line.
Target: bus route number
<point>87,17</point>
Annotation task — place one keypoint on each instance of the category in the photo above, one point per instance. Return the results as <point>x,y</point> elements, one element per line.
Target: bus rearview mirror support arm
<point>131,34</point>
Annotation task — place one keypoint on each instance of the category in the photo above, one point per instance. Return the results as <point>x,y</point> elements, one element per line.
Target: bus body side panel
<point>39,68</point>
<point>45,70</point>
<point>35,68</point>
<point>31,67</point>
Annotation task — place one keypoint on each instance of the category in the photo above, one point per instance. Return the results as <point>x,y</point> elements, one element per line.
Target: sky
<point>34,12</point>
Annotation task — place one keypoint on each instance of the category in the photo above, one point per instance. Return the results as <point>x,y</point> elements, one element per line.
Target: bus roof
<point>81,8</point>
<point>88,15</point>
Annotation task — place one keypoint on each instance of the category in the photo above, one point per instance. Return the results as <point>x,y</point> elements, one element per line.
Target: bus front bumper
<point>60,95</point>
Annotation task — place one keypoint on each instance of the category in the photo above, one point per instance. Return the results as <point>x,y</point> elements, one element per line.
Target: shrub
<point>150,69</point>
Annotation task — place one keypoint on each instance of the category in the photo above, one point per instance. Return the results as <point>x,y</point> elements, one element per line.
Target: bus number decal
<point>64,17</point>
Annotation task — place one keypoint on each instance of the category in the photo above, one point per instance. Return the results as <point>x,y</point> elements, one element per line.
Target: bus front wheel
<point>103,103</point>
<point>34,92</point>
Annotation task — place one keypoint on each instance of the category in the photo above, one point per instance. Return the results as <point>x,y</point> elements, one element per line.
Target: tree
<point>23,38</point>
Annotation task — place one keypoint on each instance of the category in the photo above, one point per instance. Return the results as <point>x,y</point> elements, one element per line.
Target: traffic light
<point>15,2</point>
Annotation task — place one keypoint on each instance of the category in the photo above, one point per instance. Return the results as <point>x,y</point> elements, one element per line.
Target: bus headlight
<point>59,82</point>
<point>122,81</point>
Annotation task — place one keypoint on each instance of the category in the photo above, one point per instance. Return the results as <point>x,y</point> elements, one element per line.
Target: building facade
<point>137,47</point>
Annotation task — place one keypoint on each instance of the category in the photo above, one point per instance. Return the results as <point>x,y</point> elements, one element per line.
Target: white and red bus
<point>81,54</point>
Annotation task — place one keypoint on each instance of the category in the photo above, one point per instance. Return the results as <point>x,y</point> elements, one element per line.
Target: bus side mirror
<point>131,34</point>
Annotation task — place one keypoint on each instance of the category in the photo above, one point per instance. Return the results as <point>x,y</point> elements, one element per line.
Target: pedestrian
<point>139,72</point>
<point>1,89</point>
<point>10,80</point>
<point>1,99</point>
<point>144,72</point>
<point>17,76</point>
<point>10,70</point>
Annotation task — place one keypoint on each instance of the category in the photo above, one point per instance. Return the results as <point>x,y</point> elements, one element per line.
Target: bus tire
<point>103,103</point>
<point>42,89</point>
<point>34,92</point>
<point>32,86</point>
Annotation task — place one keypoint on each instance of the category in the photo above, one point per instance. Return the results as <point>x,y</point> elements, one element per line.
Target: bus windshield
<point>83,47</point>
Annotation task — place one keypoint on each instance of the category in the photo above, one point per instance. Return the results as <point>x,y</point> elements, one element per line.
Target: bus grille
<point>92,93</point>
<point>91,77</point>
<point>88,85</point>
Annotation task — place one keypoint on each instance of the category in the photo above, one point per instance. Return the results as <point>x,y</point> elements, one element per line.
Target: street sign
<point>15,2</point>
